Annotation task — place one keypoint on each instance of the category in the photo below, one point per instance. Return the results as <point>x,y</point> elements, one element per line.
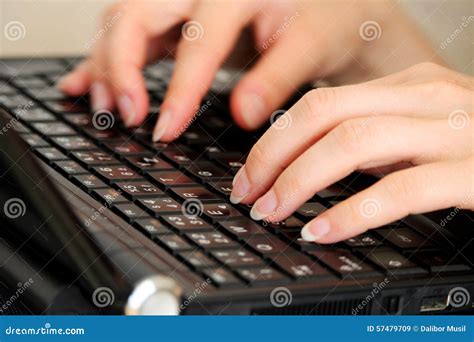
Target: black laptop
<point>98,219</point>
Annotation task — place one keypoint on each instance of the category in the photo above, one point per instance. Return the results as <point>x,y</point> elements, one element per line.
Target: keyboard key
<point>198,259</point>
<point>220,211</point>
<point>404,238</point>
<point>34,140</point>
<point>224,187</point>
<point>34,114</point>
<point>301,267</point>
<point>311,209</point>
<point>139,189</point>
<point>160,206</point>
<point>184,223</point>
<point>53,129</point>
<point>67,106</point>
<point>116,173</point>
<point>344,263</point>
<point>110,196</point>
<point>222,278</point>
<point>212,240</point>
<point>95,158</point>
<point>70,168</point>
<point>393,262</point>
<point>84,120</point>
<point>236,258</point>
<point>171,178</point>
<point>151,227</point>
<point>149,163</point>
<point>207,172</point>
<point>438,262</point>
<point>289,224</point>
<point>51,154</point>
<point>180,157</point>
<point>242,227</point>
<point>175,243</point>
<point>267,244</point>
<point>294,237</point>
<point>125,148</point>
<point>198,192</point>
<point>231,162</point>
<point>89,182</point>
<point>74,143</point>
<point>363,240</point>
<point>261,275</point>
<point>130,212</point>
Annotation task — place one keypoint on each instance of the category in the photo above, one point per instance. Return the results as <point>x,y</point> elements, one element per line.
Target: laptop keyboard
<point>177,194</point>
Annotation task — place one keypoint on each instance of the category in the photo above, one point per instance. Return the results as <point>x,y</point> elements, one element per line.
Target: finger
<point>78,81</point>
<point>207,40</point>
<point>353,145</point>
<point>277,75</point>
<point>416,190</point>
<point>323,109</point>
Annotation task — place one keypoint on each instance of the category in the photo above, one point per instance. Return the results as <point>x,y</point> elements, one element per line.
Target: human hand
<point>297,42</point>
<point>422,115</point>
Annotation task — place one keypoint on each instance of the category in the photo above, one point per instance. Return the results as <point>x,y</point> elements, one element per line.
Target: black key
<point>295,238</point>
<point>30,82</point>
<point>79,119</point>
<point>224,187</point>
<point>344,263</point>
<point>231,162</point>
<point>116,173</point>
<point>404,238</point>
<point>53,128</point>
<point>363,240</point>
<point>95,158</point>
<point>74,143</point>
<point>262,275</point>
<point>149,163</point>
<point>393,262</point>
<point>198,259</point>
<point>289,224</point>
<point>438,262</point>
<point>175,243</point>
<point>220,211</point>
<point>171,178</point>
<point>6,89</point>
<point>179,157</point>
<point>110,196</point>
<point>130,212</point>
<point>139,189</point>
<point>19,127</point>
<point>189,224</point>
<point>47,94</point>
<point>242,227</point>
<point>212,240</point>
<point>34,114</point>
<point>152,227</point>
<point>207,172</point>
<point>311,209</point>
<point>222,278</point>
<point>67,106</point>
<point>70,168</point>
<point>103,135</point>
<point>160,206</point>
<point>34,140</point>
<point>51,154</point>
<point>197,192</point>
<point>267,244</point>
<point>29,66</point>
<point>125,148</point>
<point>238,258</point>
<point>301,267</point>
<point>89,182</point>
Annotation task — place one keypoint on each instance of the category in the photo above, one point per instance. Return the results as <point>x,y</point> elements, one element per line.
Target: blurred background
<point>66,27</point>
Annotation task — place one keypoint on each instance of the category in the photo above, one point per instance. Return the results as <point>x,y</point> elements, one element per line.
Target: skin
<point>390,121</point>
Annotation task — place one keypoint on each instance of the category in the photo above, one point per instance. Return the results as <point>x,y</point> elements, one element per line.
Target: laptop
<point>97,219</point>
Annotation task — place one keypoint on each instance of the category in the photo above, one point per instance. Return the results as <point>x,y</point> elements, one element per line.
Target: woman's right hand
<point>296,42</point>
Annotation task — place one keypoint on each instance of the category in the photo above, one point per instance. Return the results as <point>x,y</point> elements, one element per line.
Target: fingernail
<point>265,206</point>
<point>253,108</point>
<point>63,81</point>
<point>127,110</point>
<point>99,96</point>
<point>240,186</point>
<point>161,125</point>
<point>315,230</point>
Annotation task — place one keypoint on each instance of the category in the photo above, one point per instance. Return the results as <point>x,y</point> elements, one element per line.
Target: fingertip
<point>249,107</point>
<point>132,108</point>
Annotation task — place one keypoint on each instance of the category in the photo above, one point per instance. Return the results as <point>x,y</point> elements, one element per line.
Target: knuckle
<point>451,88</point>
<point>316,102</point>
<point>400,188</point>
<point>258,159</point>
<point>430,66</point>
<point>348,135</point>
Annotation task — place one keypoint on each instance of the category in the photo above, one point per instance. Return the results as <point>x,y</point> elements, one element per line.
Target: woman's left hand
<point>416,125</point>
